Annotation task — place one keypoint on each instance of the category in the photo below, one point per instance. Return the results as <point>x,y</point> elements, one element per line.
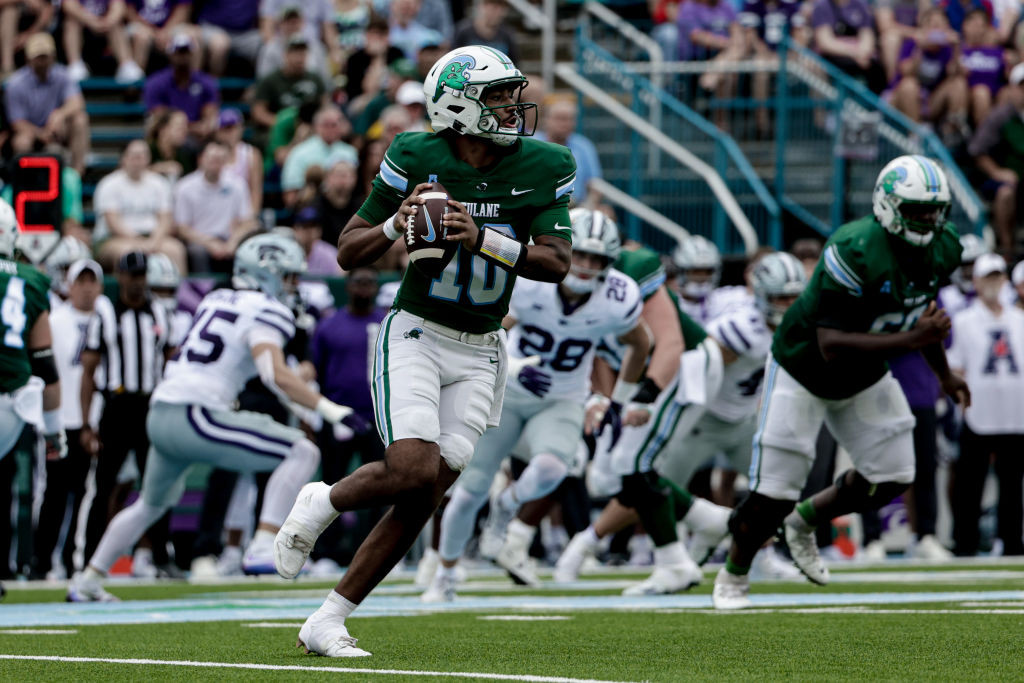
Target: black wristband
<point>648,391</point>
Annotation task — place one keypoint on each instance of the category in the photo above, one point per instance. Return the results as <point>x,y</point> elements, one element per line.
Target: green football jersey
<point>25,296</point>
<point>645,267</point>
<point>524,195</point>
<point>867,280</point>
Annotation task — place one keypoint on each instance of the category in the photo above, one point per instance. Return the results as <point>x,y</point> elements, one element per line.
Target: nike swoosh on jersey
<point>562,227</point>
<point>516,193</point>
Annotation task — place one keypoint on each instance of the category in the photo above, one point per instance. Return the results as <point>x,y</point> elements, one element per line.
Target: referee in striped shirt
<point>129,344</point>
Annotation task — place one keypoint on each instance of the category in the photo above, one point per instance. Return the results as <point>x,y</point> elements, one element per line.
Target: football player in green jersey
<point>872,296</point>
<point>440,365</point>
<point>29,385</point>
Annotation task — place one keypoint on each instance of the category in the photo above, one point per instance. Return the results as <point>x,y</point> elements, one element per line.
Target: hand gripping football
<point>424,238</point>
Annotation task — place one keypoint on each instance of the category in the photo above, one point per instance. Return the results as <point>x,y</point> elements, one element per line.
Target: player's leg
<point>1009,468</point>
<point>456,406</point>
<point>876,427</point>
<point>783,452</point>
<point>970,471</point>
<point>551,437</point>
<point>467,497</point>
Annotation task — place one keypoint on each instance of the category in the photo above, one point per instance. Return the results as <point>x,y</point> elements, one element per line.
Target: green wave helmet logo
<point>889,180</point>
<point>454,75</point>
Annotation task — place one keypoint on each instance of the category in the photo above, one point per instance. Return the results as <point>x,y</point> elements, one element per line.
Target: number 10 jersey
<point>215,361</point>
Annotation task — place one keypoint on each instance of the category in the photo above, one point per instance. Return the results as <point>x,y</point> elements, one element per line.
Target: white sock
<point>90,574</point>
<point>263,537</point>
<point>542,476</point>
<point>591,535</point>
<point>520,531</point>
<point>284,484</point>
<point>337,606</point>
<point>703,514</point>
<point>447,572</point>
<point>123,532</point>
<point>142,553</point>
<point>457,522</point>
<point>795,519</point>
<point>670,555</point>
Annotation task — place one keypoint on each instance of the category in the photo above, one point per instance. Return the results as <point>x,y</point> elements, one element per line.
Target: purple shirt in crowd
<point>161,91</point>
<point>770,19</point>
<point>985,66</point>
<point>340,351</point>
<point>846,20</point>
<point>916,378</point>
<point>234,16</point>
<point>713,18</point>
<point>29,99</point>
<point>97,8</point>
<point>156,12</point>
<point>932,69</point>
<point>323,259</point>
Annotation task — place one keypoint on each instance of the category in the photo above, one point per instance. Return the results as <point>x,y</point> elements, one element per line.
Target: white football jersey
<point>742,330</point>
<point>719,301</point>
<point>953,299</point>
<point>69,329</point>
<point>566,340</point>
<point>215,361</point>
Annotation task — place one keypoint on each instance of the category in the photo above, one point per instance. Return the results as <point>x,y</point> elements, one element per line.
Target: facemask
<point>580,286</point>
<point>697,290</point>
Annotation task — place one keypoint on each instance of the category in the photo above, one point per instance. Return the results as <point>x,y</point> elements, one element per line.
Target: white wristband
<point>502,250</point>
<point>390,230</point>
<point>331,411</point>
<point>52,422</point>
<point>624,391</point>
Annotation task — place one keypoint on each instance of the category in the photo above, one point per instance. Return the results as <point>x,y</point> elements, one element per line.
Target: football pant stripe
<point>755,461</point>
<point>651,443</point>
<point>379,392</point>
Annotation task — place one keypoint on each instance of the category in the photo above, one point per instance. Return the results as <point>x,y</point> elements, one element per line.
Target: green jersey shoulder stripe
<point>840,272</point>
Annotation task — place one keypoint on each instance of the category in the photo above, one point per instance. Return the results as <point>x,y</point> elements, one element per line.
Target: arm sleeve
<point>93,338</point>
<point>71,89</point>
<point>955,350</point>
<point>553,218</point>
<point>273,325</point>
<point>150,95</point>
<point>822,15</point>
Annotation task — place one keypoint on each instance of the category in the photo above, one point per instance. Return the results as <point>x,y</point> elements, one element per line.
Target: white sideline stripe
<point>273,624</point>
<point>522,617</point>
<point>853,609</point>
<point>283,667</point>
<point>1016,603</point>
<point>38,631</point>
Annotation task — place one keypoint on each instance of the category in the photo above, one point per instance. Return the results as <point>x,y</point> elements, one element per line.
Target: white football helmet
<point>592,233</point>
<point>8,230</point>
<point>776,275</point>
<point>912,199</point>
<point>57,262</point>
<point>973,247</point>
<point>455,90</point>
<point>269,263</point>
<point>697,253</point>
<point>161,273</point>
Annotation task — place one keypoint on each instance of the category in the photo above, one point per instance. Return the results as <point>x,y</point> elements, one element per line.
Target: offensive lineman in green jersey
<point>642,494</point>
<point>872,296</point>
<point>440,364</point>
<point>29,386</point>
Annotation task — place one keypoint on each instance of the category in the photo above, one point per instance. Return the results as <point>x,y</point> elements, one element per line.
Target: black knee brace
<point>641,488</point>
<point>757,519</point>
<point>860,495</point>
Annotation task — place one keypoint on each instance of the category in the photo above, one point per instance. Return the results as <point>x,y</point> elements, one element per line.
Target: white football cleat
<point>259,559</point>
<point>768,565</point>
<point>567,569</point>
<point>492,536</point>
<point>82,589</point>
<point>142,564</point>
<point>427,568</point>
<point>731,591</point>
<point>873,552</point>
<point>442,587</point>
<point>327,636</point>
<point>300,530</point>
<point>803,546</point>
<point>665,580</point>
<point>515,560</point>
<point>230,562</point>
<point>709,524</point>
<point>929,548</point>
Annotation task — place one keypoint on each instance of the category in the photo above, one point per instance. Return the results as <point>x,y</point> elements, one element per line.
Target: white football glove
<point>56,445</point>
<point>517,364</point>
<point>331,411</point>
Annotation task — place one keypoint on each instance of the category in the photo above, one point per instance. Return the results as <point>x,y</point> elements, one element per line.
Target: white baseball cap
<point>410,92</point>
<point>81,265</point>
<point>1017,275</point>
<point>1017,74</point>
<point>987,264</point>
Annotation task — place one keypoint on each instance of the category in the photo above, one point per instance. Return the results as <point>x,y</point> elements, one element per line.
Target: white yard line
<point>523,617</point>
<point>38,631</point>
<point>273,624</point>
<point>281,667</point>
<point>853,609</point>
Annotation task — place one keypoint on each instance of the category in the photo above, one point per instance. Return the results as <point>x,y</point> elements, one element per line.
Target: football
<point>428,250</point>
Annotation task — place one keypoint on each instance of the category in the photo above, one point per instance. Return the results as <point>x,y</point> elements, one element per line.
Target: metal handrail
<point>568,73</point>
<point>546,20</point>
<point>639,209</point>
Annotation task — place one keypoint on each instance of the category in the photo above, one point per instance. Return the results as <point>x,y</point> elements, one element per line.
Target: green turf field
<point>964,621</point>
